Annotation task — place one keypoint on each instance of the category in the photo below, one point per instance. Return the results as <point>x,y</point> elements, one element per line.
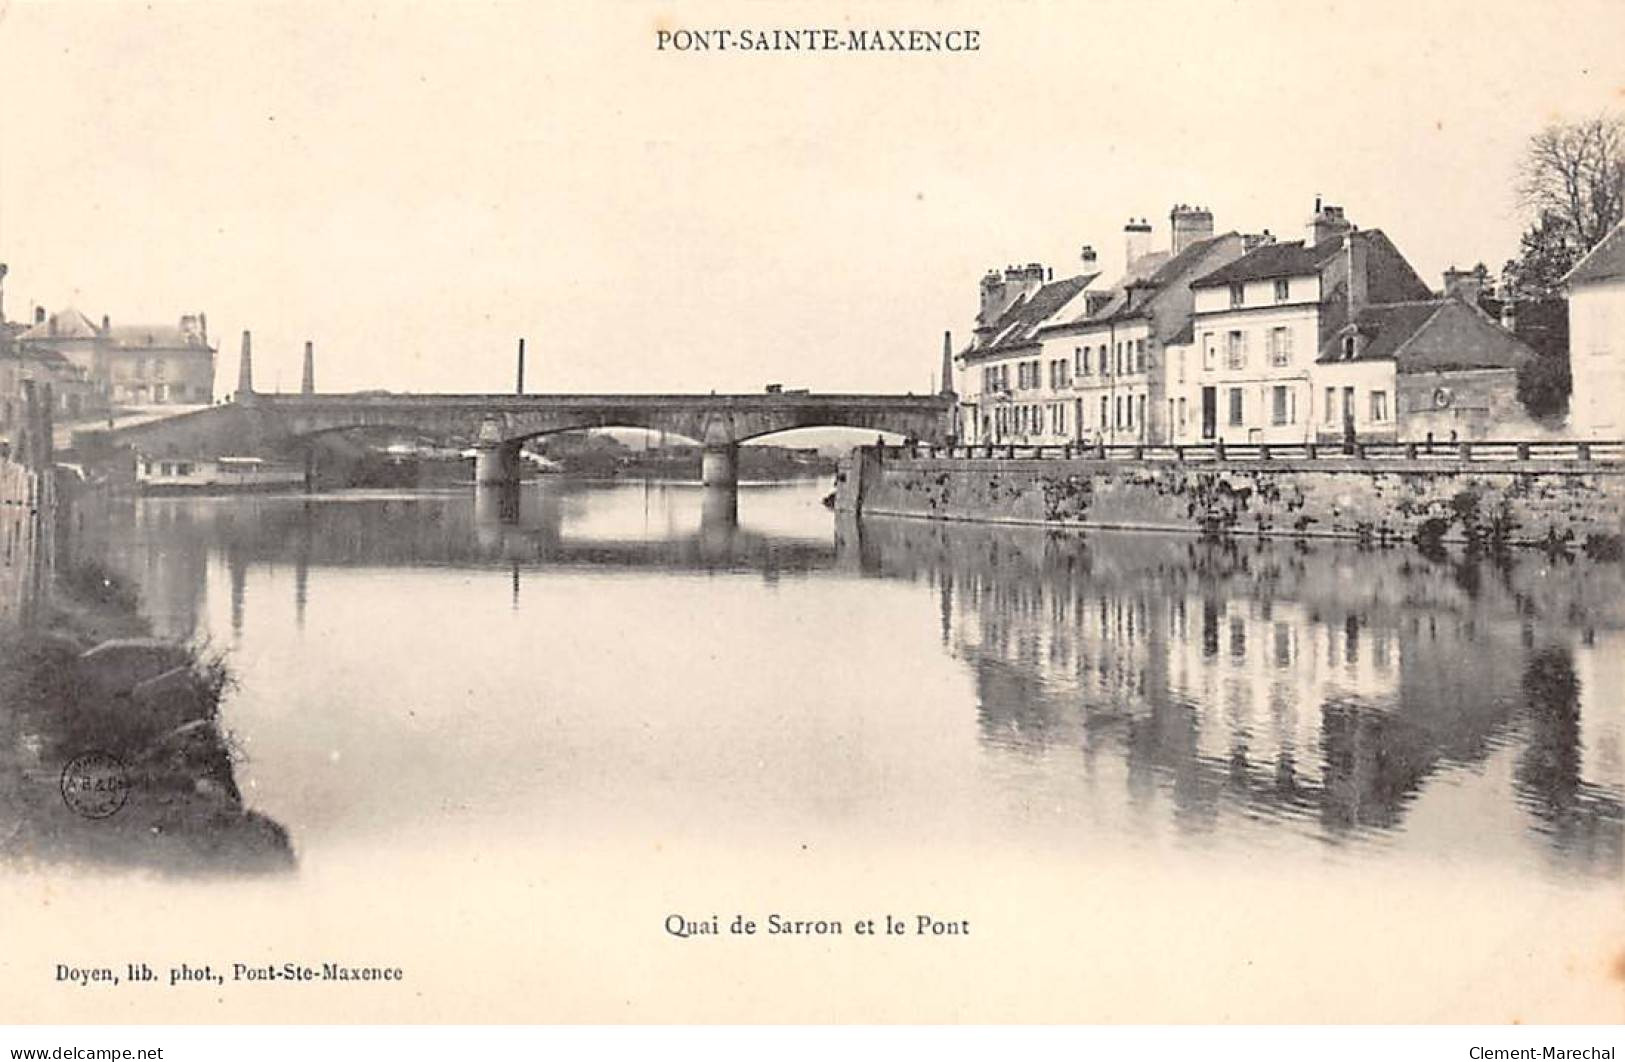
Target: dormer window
<point>1282,290</point>
<point>1348,348</point>
<point>1238,295</point>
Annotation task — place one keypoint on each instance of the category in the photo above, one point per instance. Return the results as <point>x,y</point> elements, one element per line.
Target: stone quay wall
<point>1459,498</point>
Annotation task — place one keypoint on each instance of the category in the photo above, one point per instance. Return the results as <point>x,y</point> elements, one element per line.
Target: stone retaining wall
<point>1516,502</point>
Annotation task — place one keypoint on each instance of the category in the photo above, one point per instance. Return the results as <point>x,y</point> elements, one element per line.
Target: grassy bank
<point>90,686</point>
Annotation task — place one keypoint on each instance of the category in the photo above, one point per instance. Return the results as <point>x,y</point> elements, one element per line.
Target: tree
<point>1577,172</point>
<point>1546,252</point>
<point>1571,181</point>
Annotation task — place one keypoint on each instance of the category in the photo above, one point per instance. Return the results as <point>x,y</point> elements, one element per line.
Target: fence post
<point>1585,451</point>
<point>1410,451</point>
<point>1263,451</point>
<point>1313,449</point>
<point>1466,450</point>
<point>1179,453</point>
<point>1139,452</point>
<point>1523,451</point>
<point>1218,450</point>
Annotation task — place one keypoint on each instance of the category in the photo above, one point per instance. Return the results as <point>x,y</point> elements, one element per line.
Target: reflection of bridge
<point>498,423</point>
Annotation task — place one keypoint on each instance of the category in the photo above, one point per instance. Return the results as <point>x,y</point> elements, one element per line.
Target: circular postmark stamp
<point>95,784</point>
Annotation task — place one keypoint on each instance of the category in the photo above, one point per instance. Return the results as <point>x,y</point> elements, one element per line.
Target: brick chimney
<point>1189,224</point>
<point>1327,223</point>
<point>1465,284</point>
<point>1136,241</point>
<point>245,369</point>
<point>946,387</point>
<point>307,377</point>
<point>1090,259</point>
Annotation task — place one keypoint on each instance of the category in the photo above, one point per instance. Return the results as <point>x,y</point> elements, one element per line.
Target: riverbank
<point>1571,504</point>
<point>111,750</point>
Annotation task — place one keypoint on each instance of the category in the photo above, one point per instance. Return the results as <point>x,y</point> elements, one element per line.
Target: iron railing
<point>1610,451</point>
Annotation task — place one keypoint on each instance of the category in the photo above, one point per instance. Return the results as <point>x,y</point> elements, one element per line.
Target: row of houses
<point>96,368</point>
<point>1238,338</point>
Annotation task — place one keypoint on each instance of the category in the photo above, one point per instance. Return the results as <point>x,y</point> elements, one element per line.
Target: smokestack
<point>519,384</point>
<point>1136,240</point>
<point>307,379</point>
<point>946,388</point>
<point>245,369</point>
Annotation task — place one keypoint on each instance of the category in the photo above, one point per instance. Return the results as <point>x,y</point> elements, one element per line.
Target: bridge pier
<point>719,465</point>
<point>496,464</point>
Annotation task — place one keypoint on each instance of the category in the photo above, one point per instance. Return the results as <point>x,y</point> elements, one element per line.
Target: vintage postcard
<point>819,512</point>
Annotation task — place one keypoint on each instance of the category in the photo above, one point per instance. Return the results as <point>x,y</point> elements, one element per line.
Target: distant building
<point>74,393</point>
<point>130,365</point>
<point>1596,288</point>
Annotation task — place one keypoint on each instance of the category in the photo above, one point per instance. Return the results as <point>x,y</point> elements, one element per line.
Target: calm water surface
<point>646,660</point>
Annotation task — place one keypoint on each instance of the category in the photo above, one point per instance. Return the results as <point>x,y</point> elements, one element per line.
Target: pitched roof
<point>1606,261</point>
<point>155,336</point>
<point>1015,327</point>
<point>1432,335</point>
<point>1272,260</point>
<point>67,323</point>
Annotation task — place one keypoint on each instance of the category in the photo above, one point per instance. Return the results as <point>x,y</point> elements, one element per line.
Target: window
<point>158,368</point>
<point>1105,411</point>
<point>1283,290</point>
<point>1235,407</point>
<point>1086,369</point>
<point>1079,365</point>
<point>1238,295</point>
<point>1281,405</point>
<point>1331,405</point>
<point>1210,351</point>
<point>1379,406</point>
<point>1142,413</point>
<point>1139,355</point>
<point>1182,420</point>
<point>1348,347</point>
<point>1129,419</point>
<point>1236,350</point>
<point>1118,422</point>
<point>1280,346</point>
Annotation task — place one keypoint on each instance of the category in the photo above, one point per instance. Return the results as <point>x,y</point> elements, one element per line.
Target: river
<point>1168,778</point>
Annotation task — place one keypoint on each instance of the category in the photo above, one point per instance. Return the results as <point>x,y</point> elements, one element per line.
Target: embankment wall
<point>1390,499</point>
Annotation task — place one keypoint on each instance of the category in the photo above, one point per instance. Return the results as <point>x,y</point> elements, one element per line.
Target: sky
<point>413,187</point>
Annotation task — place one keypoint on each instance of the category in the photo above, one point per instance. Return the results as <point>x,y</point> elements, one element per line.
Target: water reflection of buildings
<point>1323,686</point>
<point>171,546</point>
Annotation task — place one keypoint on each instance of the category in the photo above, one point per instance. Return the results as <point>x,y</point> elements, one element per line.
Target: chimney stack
<point>1089,258</point>
<point>307,379</point>
<point>519,383</point>
<point>245,369</point>
<point>107,324</point>
<point>203,327</point>
<point>1189,224</point>
<point>1136,240</point>
<point>1465,284</point>
<point>3,272</point>
<point>946,388</point>
<point>39,315</point>
<point>1328,223</point>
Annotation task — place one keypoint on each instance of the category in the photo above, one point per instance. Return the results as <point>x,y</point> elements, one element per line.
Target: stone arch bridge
<point>497,424</point>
